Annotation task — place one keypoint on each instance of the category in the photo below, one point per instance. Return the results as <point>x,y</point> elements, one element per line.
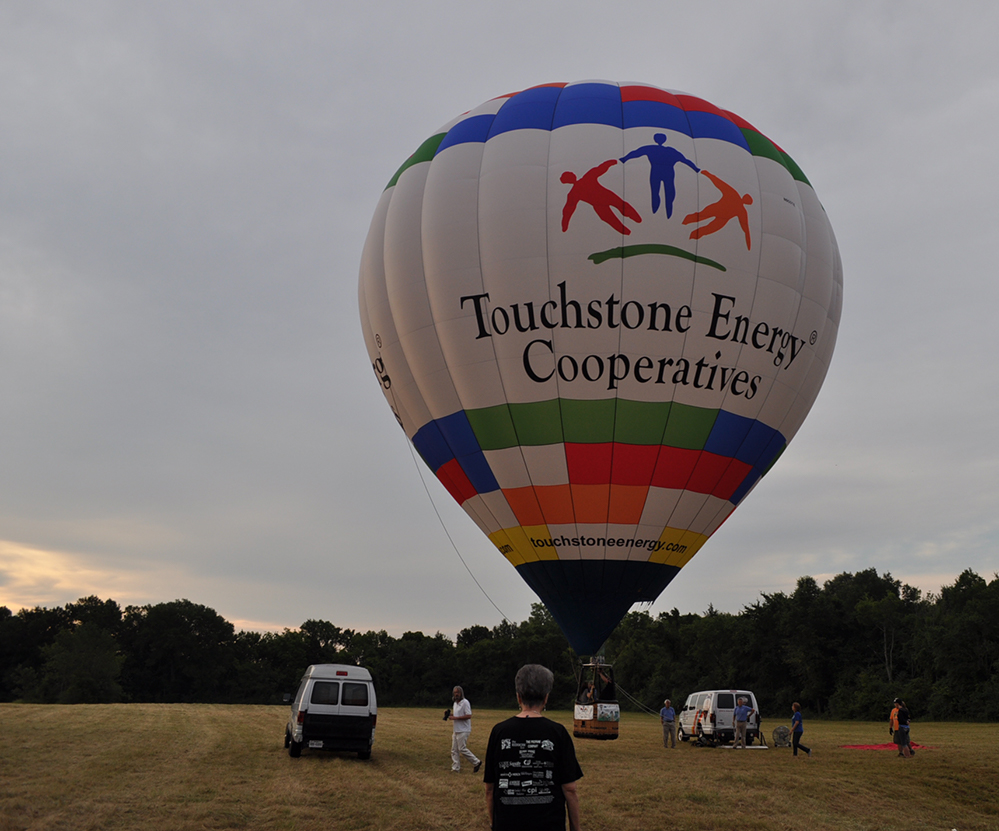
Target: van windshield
<point>325,692</point>
<point>355,695</point>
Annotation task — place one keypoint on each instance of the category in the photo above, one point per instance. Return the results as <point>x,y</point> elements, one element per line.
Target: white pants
<point>459,742</point>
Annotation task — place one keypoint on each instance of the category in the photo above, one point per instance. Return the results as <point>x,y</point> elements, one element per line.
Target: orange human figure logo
<point>587,189</point>
<point>732,205</point>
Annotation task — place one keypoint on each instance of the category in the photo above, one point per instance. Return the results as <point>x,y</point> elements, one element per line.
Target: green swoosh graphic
<point>651,248</point>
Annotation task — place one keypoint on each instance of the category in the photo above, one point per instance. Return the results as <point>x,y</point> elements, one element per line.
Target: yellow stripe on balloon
<point>680,546</point>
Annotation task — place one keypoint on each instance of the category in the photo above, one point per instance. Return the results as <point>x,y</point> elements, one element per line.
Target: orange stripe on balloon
<point>626,504</point>
<point>556,504</point>
<point>591,503</point>
<point>525,506</point>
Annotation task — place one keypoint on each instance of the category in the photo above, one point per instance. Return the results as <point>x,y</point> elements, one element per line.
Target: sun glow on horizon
<point>31,577</point>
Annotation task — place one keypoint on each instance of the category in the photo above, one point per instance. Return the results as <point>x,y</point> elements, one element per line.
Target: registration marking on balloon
<point>600,312</point>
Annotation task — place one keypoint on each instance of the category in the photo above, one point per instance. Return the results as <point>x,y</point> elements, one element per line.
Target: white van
<point>335,709</point>
<point>708,716</point>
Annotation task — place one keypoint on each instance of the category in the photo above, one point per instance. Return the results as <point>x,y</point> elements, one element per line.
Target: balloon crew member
<point>899,728</point>
<point>797,728</point>
<point>461,717</point>
<point>741,719</point>
<point>531,766</point>
<point>667,715</point>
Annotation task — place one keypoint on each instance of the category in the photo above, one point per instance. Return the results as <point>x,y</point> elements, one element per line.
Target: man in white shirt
<point>461,718</point>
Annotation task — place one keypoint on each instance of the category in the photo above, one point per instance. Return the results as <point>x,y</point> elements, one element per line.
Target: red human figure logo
<point>587,189</point>
<point>731,205</point>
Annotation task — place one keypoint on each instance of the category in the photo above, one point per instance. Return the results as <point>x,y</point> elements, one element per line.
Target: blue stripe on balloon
<point>767,457</point>
<point>458,433</point>
<point>740,492</point>
<point>548,108</point>
<point>727,434</point>
<point>741,438</point>
<point>473,129</point>
<point>532,109</point>
<point>478,472</point>
<point>710,125</point>
<point>444,439</point>
<point>432,446</point>
<point>589,104</point>
<point>761,445</point>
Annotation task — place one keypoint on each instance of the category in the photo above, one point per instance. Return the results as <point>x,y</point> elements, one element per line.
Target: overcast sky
<point>186,405</point>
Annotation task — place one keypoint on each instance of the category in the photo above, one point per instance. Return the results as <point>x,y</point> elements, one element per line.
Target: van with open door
<point>709,717</point>
<point>334,709</point>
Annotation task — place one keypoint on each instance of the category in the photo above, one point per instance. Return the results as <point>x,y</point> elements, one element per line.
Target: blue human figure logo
<point>662,173</point>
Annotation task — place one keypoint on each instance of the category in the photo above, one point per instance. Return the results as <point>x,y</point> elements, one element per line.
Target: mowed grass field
<point>165,767</point>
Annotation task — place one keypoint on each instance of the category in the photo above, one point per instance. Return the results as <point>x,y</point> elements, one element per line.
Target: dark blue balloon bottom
<point>588,598</point>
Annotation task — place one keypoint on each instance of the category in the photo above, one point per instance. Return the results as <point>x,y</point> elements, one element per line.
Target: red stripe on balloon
<point>640,93</point>
<point>662,467</point>
<point>589,464</point>
<point>717,475</point>
<point>457,483</point>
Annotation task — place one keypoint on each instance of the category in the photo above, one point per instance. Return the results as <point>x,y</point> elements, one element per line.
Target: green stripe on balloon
<point>592,422</point>
<point>424,153</point>
<point>760,145</point>
<point>588,422</point>
<point>796,171</point>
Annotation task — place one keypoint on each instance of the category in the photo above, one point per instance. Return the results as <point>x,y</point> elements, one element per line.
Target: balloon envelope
<point>600,312</point>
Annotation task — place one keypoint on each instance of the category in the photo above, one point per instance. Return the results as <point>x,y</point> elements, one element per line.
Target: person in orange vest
<point>898,726</point>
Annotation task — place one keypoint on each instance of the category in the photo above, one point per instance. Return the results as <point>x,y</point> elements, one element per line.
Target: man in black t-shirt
<point>531,767</point>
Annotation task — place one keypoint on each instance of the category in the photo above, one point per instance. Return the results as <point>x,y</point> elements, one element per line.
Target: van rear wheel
<point>364,755</point>
<point>295,749</point>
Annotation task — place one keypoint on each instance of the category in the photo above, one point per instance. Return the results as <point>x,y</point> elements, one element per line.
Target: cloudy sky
<point>186,406</point>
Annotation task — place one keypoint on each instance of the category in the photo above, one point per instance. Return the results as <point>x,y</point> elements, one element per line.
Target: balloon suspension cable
<point>419,471</point>
<point>635,701</point>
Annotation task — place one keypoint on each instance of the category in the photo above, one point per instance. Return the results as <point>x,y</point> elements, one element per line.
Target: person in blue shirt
<point>667,715</point>
<point>741,717</point>
<point>797,728</point>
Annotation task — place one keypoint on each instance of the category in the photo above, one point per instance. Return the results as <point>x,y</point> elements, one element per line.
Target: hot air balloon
<point>600,312</point>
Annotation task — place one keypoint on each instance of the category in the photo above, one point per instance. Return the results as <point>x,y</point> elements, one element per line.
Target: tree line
<point>844,650</point>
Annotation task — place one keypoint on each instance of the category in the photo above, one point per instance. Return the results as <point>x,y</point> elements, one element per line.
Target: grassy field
<point>165,767</point>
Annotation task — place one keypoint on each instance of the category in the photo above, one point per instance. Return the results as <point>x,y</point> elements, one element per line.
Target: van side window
<point>725,701</point>
<point>325,692</point>
<point>355,695</point>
